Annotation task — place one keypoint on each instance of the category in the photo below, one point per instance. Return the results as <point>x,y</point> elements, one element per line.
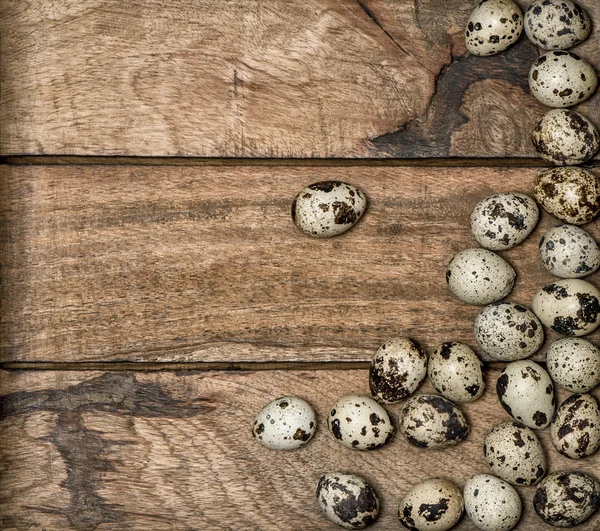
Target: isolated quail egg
<point>570,194</point>
<point>570,307</point>
<point>479,276</point>
<point>492,503</point>
<point>432,421</point>
<point>556,24</point>
<point>562,79</point>
<point>348,500</point>
<point>493,26</point>
<point>397,370</point>
<point>574,363</point>
<point>360,423</point>
<point>514,453</point>
<point>286,423</point>
<point>508,331</point>
<point>526,393</point>
<point>565,137</point>
<point>434,505</point>
<point>456,372</point>
<point>565,499</point>
<point>504,220</point>
<point>328,208</point>
<point>568,251</point>
<point>575,428</point>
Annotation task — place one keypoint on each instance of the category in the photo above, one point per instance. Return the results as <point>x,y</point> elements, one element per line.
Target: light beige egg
<point>574,363</point>
<point>493,26</point>
<point>492,503</point>
<point>556,24</point>
<point>575,428</point>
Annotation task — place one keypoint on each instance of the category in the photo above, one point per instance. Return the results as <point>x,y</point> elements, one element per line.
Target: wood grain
<point>116,451</point>
<point>111,263</point>
<point>320,78</point>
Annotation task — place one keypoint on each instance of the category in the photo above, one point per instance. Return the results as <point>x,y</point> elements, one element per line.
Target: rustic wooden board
<point>185,264</point>
<point>161,451</point>
<point>319,78</point>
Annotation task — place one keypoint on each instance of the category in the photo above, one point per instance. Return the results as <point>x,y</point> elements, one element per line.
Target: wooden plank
<point>320,78</point>
<point>154,264</point>
<point>116,451</point>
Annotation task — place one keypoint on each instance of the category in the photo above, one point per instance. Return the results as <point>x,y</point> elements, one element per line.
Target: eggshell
<point>570,307</point>
<point>514,453</point>
<point>526,393</point>
<point>575,428</point>
<point>456,372</point>
<point>432,421</point>
<point>568,251</point>
<point>397,370</point>
<point>566,499</point>
<point>328,208</point>
<point>433,505</point>
<point>508,331</point>
<point>492,503</point>
<point>479,276</point>
<point>286,423</point>
<point>348,500</point>
<point>493,26</point>
<point>556,24</point>
<point>574,363</point>
<point>360,423</point>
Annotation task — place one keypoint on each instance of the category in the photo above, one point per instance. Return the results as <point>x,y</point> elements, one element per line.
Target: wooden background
<point>154,293</point>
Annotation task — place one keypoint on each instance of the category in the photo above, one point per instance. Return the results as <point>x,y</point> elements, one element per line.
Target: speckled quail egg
<point>514,453</point>
<point>456,372</point>
<point>556,24</point>
<point>574,363</point>
<point>508,331</point>
<point>570,194</point>
<point>286,423</point>
<point>565,137</point>
<point>568,251</point>
<point>502,221</point>
<point>432,421</point>
<point>328,208</point>
<point>575,428</point>
<point>493,26</point>
<point>397,370</point>
<point>492,503</point>
<point>348,500</point>
<point>526,393</point>
<point>570,307</point>
<point>479,276</point>
<point>360,423</point>
<point>565,499</point>
<point>562,79</point>
<point>436,504</point>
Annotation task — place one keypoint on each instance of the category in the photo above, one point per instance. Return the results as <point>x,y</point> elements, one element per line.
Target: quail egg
<point>360,423</point>
<point>492,503</point>
<point>456,372</point>
<point>504,220</point>
<point>570,194</point>
<point>568,251</point>
<point>556,24</point>
<point>514,454</point>
<point>397,370</point>
<point>434,505</point>
<point>328,208</point>
<point>493,26</point>
<point>565,499</point>
<point>575,428</point>
<point>432,421</point>
<point>574,363</point>
<point>565,137</point>
<point>562,79</point>
<point>479,276</point>
<point>570,307</point>
<point>286,423</point>
<point>526,393</point>
<point>348,500</point>
<point>508,331</point>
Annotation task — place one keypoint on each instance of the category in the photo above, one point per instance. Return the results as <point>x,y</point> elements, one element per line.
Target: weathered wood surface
<point>185,264</point>
<point>116,451</point>
<point>320,78</point>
